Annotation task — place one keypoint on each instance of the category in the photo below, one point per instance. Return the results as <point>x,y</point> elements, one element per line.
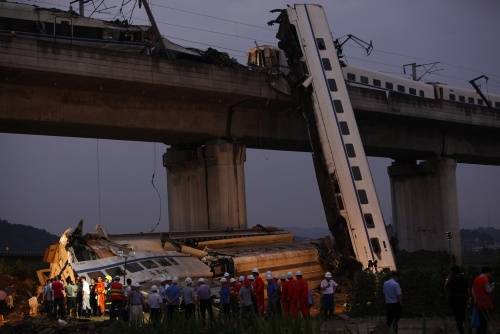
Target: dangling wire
<point>98,183</point>
<point>153,228</point>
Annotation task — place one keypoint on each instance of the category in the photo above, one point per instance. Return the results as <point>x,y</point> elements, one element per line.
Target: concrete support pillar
<point>425,205</point>
<point>206,187</point>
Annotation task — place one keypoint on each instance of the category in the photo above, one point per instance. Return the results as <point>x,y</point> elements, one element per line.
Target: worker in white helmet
<point>188,297</point>
<point>301,294</point>
<point>328,287</point>
<point>225,297</point>
<point>204,297</point>
<point>173,294</point>
<point>154,302</point>
<point>234,289</point>
<point>286,294</point>
<point>258,290</point>
<point>273,297</point>
<point>245,298</point>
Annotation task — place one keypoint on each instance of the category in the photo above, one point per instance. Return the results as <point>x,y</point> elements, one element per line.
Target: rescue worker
<point>173,294</point>
<point>258,290</point>
<point>154,303</point>
<point>100,291</point>
<point>225,296</point>
<point>328,287</point>
<point>204,297</point>
<point>71,293</point>
<point>245,296</point>
<point>286,295</point>
<point>188,297</point>
<point>273,299</point>
<point>58,289</point>
<point>48,298</point>
<point>136,304</point>
<point>86,309</point>
<point>302,293</point>
<point>234,290</point>
<point>117,299</point>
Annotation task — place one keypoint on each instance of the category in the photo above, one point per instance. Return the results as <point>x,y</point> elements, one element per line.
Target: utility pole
<point>429,68</point>
<point>81,6</point>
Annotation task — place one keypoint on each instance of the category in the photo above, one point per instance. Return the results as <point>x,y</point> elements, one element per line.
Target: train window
<point>173,261</point>
<point>471,100</point>
<point>480,102</point>
<point>350,150</point>
<point>377,83</point>
<point>115,271</point>
<point>412,91</point>
<point>344,128</point>
<point>332,84</point>
<point>364,80</point>
<point>461,98</point>
<point>163,262</point>
<point>497,104</point>
<point>134,267</point>
<point>356,173</point>
<point>401,88</point>
<point>351,76</point>
<point>389,85</point>
<point>340,203</point>
<point>337,104</point>
<point>369,220</point>
<point>376,246</point>
<point>363,199</point>
<point>452,97</point>
<point>321,43</point>
<point>149,264</point>
<point>421,93</point>
<point>326,64</point>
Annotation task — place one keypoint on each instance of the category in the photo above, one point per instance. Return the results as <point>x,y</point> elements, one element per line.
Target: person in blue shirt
<point>273,296</point>
<point>173,295</point>
<point>225,297</point>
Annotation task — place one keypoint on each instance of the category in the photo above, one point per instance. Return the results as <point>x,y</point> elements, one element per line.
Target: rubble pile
<point>44,325</point>
<point>21,290</point>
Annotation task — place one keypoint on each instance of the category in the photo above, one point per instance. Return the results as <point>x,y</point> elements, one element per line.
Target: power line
<point>215,17</point>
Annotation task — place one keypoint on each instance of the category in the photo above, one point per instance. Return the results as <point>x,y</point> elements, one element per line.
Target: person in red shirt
<point>234,292</point>
<point>117,298</point>
<point>285,294</point>
<point>293,298</point>
<point>258,289</point>
<point>302,291</point>
<point>58,289</point>
<point>482,291</point>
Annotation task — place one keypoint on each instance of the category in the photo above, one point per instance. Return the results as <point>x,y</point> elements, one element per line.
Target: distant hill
<point>22,238</point>
<point>309,232</point>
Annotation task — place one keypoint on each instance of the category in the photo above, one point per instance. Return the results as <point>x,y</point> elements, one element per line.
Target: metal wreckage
<point>147,258</point>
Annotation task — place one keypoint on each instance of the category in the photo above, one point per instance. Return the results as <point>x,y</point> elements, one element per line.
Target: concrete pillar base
<point>425,206</point>
<point>206,187</point>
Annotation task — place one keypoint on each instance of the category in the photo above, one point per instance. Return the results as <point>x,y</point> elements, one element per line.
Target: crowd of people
<point>238,297</point>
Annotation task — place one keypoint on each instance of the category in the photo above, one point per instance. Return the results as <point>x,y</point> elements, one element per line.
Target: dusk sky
<point>51,182</point>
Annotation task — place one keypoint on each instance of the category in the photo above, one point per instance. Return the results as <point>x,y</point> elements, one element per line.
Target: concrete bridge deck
<point>51,88</point>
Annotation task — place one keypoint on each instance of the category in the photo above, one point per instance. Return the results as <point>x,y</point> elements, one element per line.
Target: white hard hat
<point>269,275</point>
<point>175,279</point>
<point>169,278</point>
<point>232,280</point>
<point>328,274</point>
<point>298,273</point>
<point>255,270</point>
<point>201,280</point>
<point>242,278</point>
<point>250,277</point>
<point>136,285</point>
<point>223,280</point>
<point>154,288</point>
<point>163,278</point>
<point>289,274</point>
<point>282,276</point>
<point>226,274</point>
<point>188,280</point>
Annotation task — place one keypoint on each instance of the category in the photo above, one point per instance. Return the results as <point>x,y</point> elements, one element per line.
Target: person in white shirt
<point>86,309</point>
<point>328,287</point>
<point>154,302</point>
<point>392,295</point>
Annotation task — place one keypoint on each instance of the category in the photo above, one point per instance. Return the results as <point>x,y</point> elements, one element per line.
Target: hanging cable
<point>153,228</point>
<point>99,217</point>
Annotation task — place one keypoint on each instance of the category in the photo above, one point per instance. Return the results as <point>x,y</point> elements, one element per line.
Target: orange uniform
<point>258,288</point>
<point>100,290</point>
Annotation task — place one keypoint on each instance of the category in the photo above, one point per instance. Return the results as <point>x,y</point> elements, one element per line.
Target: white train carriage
<point>468,96</point>
<point>377,80</point>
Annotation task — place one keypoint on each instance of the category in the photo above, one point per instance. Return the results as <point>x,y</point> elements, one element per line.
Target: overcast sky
<point>52,182</point>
